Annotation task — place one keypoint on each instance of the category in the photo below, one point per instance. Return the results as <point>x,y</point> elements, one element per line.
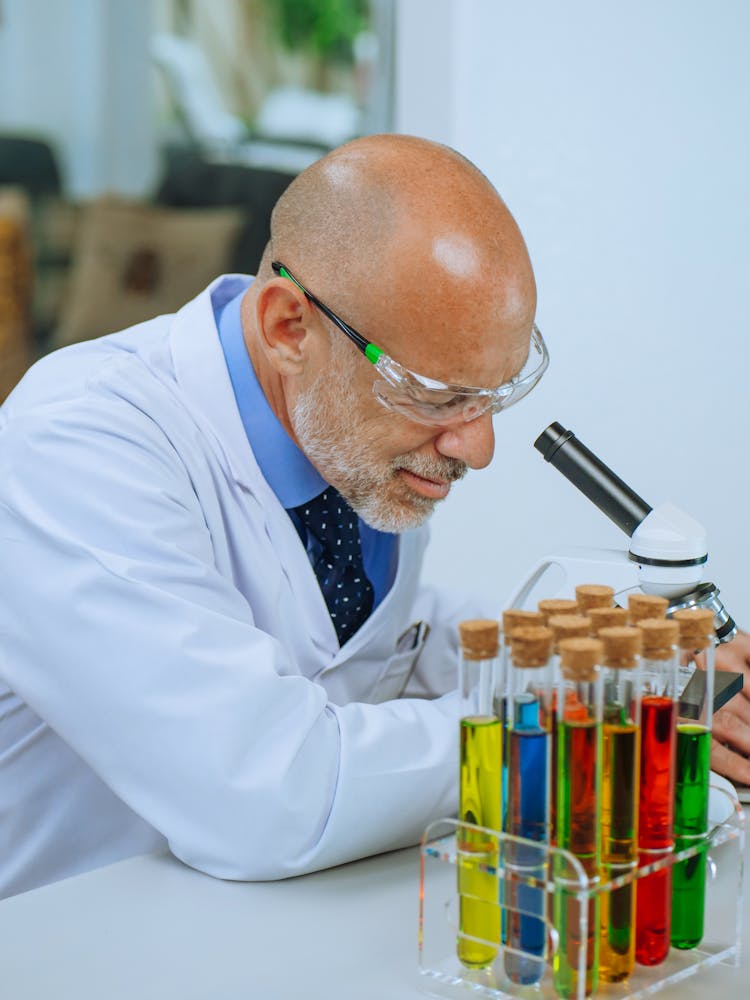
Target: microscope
<point>667,554</point>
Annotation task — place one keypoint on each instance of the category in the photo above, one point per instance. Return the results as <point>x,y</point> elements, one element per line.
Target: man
<point>213,632</point>
<point>175,664</point>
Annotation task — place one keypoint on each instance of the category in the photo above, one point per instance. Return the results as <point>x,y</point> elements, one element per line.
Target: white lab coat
<point>170,668</point>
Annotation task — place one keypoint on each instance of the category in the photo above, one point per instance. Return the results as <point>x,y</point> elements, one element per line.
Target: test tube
<point>579,701</point>
<point>606,618</point>
<point>621,744</point>
<point>656,803</point>
<point>643,606</point>
<point>527,810</point>
<point>564,626</point>
<point>594,595</point>
<point>513,618</point>
<point>480,766</point>
<point>697,640</point>
<point>556,606</point>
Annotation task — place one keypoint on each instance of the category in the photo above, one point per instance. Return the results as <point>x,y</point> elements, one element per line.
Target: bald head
<point>390,228</point>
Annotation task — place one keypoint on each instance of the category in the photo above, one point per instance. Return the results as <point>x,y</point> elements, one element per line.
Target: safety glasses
<point>427,400</point>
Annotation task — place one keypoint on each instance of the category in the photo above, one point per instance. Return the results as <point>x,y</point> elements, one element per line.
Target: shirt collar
<point>286,469</point>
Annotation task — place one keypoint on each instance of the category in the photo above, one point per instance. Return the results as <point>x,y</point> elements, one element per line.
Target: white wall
<point>77,72</point>
<point>618,135</point>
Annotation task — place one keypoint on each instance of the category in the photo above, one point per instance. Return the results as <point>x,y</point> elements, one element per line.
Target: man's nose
<point>472,442</point>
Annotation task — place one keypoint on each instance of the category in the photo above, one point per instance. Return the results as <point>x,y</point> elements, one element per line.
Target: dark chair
<point>30,164</point>
<point>192,182</point>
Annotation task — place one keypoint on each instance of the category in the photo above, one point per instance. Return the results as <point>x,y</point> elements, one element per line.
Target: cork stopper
<point>642,606</point>
<point>480,638</point>
<point>557,606</point>
<point>531,645</point>
<point>606,618</point>
<point>659,635</point>
<point>622,645</point>
<point>594,595</point>
<point>514,618</point>
<point>569,627</point>
<point>579,658</point>
<point>696,627</point>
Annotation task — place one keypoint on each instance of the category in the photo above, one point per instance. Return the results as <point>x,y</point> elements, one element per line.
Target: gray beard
<point>331,433</point>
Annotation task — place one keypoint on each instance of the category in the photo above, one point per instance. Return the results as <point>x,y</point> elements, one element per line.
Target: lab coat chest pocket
<point>399,667</point>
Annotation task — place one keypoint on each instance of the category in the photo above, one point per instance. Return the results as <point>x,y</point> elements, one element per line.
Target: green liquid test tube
<point>564,626</point>
<point>691,809</point>
<point>697,640</point>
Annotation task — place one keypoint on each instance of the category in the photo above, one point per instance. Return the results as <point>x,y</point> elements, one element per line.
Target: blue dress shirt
<point>286,469</point>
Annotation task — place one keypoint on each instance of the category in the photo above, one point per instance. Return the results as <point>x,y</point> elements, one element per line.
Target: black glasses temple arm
<point>357,338</point>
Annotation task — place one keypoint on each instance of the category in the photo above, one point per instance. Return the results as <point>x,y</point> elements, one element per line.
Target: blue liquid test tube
<point>529,703</point>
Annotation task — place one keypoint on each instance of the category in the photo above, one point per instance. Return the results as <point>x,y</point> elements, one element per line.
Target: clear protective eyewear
<point>427,400</point>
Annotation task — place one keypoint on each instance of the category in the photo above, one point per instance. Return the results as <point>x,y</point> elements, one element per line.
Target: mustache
<point>443,469</point>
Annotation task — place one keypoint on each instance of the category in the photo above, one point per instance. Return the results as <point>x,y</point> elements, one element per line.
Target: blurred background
<point>147,140</point>
<point>144,142</point>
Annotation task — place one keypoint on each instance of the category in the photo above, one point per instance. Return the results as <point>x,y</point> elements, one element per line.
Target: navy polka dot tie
<point>338,564</point>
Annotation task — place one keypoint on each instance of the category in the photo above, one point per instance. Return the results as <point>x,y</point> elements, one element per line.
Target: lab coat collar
<point>286,468</point>
<point>200,368</point>
<point>201,371</point>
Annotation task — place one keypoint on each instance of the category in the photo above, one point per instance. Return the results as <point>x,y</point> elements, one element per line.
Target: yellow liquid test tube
<point>621,745</point>
<point>480,781</point>
<point>480,795</point>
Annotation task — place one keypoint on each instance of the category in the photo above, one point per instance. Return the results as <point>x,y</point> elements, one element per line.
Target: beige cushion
<point>14,362</point>
<point>133,261</point>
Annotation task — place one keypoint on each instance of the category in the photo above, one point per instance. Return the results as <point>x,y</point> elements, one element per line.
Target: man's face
<point>391,470</point>
<point>381,463</point>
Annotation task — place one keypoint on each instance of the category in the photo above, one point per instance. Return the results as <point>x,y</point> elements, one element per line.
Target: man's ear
<point>284,318</point>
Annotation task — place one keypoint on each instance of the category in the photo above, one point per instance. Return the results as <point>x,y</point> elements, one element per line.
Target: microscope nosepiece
<point>707,596</point>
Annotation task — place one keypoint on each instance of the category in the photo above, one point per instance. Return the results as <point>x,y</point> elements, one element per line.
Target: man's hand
<point>731,730</point>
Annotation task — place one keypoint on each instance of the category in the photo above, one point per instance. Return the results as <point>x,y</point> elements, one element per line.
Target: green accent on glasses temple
<point>371,351</point>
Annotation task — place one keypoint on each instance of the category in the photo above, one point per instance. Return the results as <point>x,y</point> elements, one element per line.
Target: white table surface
<point>150,928</point>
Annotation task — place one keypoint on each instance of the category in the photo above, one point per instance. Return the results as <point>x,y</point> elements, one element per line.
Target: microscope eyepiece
<point>592,477</point>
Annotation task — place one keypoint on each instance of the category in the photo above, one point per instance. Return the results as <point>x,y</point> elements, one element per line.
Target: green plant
<point>326,27</point>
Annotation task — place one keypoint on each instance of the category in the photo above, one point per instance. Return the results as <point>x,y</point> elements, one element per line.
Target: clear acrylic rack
<point>442,861</point>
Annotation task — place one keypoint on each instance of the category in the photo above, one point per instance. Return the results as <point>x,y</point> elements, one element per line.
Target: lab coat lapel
<point>200,369</point>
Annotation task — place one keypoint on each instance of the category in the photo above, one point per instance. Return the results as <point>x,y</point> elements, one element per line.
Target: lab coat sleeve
<point>119,632</point>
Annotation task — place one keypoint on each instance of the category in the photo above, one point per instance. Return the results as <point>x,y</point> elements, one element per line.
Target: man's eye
<point>452,401</point>
<point>440,400</point>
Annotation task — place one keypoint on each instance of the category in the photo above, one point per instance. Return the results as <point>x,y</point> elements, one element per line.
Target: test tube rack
<point>443,976</point>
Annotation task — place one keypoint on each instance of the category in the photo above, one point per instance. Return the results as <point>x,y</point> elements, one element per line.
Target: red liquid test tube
<point>656,804</point>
